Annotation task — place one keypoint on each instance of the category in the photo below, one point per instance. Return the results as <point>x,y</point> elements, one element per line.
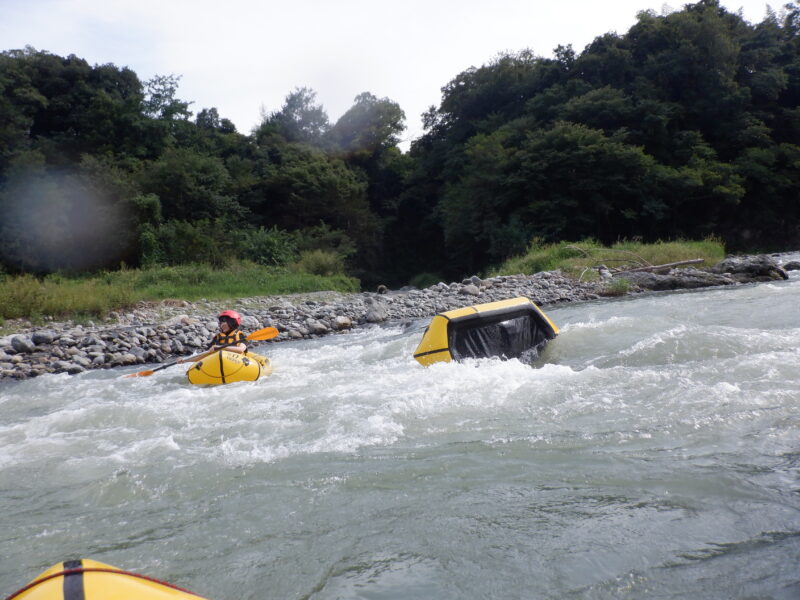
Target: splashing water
<point>652,451</point>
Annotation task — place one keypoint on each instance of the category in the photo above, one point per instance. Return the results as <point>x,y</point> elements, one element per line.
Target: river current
<point>653,451</point>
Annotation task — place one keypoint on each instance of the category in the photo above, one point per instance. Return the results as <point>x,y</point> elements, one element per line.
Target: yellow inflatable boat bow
<point>88,579</point>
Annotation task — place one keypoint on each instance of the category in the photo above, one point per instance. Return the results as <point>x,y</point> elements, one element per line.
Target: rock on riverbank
<point>157,332</point>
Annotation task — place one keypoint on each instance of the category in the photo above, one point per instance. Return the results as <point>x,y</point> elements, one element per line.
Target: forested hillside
<point>687,125</point>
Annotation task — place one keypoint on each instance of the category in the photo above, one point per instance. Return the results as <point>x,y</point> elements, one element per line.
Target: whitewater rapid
<point>652,451</point>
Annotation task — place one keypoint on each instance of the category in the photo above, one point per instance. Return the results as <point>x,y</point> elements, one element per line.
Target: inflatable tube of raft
<point>88,579</point>
<point>228,367</point>
<point>509,329</point>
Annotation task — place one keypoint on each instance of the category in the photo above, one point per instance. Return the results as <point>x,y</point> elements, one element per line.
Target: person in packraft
<point>229,337</point>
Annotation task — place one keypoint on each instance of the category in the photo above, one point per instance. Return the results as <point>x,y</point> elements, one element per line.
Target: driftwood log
<point>692,261</point>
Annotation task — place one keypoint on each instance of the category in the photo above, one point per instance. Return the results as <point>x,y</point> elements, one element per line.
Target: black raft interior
<point>518,334</point>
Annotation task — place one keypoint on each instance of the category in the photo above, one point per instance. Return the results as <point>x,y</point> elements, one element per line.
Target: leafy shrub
<point>269,247</point>
<point>324,237</point>
<point>181,242</point>
<point>150,253</point>
<point>616,287</point>
<point>319,262</point>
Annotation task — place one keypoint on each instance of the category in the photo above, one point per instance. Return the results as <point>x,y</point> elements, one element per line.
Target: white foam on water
<point>613,321</point>
<point>671,419</point>
<point>364,390</point>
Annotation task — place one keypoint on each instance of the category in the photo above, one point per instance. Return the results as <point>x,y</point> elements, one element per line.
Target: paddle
<point>267,333</point>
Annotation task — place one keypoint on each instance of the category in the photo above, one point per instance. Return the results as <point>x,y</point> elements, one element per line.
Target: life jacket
<point>229,339</point>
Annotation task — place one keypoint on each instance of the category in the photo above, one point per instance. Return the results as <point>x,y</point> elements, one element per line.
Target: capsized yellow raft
<point>88,579</point>
<point>228,367</point>
<point>514,328</point>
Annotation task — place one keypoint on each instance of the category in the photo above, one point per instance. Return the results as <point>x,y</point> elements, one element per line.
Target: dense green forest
<point>685,126</point>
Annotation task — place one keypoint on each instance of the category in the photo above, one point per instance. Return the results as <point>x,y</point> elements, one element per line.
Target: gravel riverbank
<point>156,332</point>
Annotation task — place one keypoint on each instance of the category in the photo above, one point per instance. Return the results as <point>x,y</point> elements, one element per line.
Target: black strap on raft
<point>431,352</point>
<point>73,582</point>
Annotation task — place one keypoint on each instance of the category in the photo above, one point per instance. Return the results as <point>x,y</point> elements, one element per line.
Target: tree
<point>20,101</point>
<point>208,118</point>
<point>192,186</point>
<point>65,107</point>
<point>567,182</point>
<point>300,119</point>
<point>161,102</point>
<point>301,187</point>
<point>604,108</point>
<point>368,127</point>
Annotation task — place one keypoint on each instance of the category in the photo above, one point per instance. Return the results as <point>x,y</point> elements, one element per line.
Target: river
<point>652,452</point>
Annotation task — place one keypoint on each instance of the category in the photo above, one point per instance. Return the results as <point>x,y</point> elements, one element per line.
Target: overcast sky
<point>242,56</point>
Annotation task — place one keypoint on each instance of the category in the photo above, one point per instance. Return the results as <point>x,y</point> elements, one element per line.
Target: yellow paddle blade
<point>148,372</point>
<point>263,334</point>
<point>145,373</point>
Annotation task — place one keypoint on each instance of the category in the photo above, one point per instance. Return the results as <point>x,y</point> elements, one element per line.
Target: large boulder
<point>23,344</point>
<point>677,279</point>
<point>747,269</point>
<point>251,323</point>
<point>793,265</point>
<point>376,311</point>
<point>341,322</point>
<point>43,336</point>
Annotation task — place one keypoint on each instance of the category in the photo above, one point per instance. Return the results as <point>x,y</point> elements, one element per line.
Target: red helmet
<point>231,314</point>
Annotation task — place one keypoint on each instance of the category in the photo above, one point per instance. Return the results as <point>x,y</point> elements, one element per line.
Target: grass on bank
<point>581,259</point>
<point>62,296</point>
<point>94,296</point>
